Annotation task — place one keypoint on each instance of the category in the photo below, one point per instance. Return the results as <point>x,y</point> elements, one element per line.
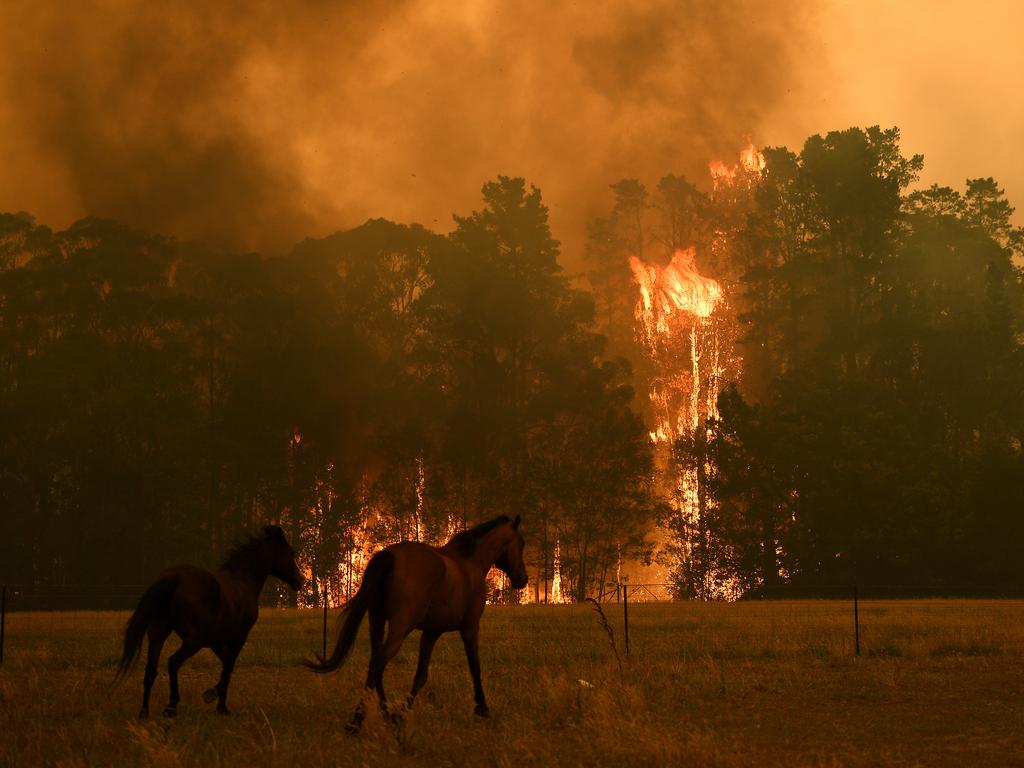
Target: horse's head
<point>510,561</point>
<point>282,557</point>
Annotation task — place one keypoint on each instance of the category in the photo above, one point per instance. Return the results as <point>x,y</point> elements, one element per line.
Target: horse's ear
<point>515,523</point>
<point>273,532</point>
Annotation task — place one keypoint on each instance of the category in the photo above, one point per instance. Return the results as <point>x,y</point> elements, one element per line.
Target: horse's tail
<point>373,590</point>
<point>151,604</point>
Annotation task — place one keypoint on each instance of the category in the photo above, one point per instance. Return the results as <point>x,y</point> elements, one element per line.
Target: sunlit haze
<point>253,128</point>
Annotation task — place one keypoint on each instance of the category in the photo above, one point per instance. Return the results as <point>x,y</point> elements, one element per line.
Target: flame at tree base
<point>556,577</point>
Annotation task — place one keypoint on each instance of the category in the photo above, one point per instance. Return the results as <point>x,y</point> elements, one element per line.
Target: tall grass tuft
<point>603,621</point>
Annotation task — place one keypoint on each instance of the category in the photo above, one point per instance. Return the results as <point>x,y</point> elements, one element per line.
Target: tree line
<point>159,397</point>
<point>387,382</point>
<point>873,433</point>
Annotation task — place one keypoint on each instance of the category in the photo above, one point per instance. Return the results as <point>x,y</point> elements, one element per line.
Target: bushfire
<point>683,320</point>
<point>685,328</point>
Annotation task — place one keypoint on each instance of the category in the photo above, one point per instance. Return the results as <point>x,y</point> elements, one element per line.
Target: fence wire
<point>79,616</point>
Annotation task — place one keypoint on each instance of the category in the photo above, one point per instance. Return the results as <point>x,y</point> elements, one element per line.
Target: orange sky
<point>947,73</point>
<point>253,127</point>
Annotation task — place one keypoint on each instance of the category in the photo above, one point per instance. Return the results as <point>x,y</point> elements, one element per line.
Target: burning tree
<point>685,325</point>
<point>680,322</point>
<point>479,389</point>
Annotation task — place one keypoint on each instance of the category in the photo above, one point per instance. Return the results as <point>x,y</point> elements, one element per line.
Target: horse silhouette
<point>206,610</point>
<point>411,586</point>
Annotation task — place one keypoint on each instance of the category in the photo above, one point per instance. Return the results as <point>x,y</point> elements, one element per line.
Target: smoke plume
<point>252,125</point>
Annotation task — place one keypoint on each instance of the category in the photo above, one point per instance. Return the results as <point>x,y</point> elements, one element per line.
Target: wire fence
<point>122,597</point>
<point>73,610</point>
<point>73,597</point>
<point>666,592</point>
<point>645,593</point>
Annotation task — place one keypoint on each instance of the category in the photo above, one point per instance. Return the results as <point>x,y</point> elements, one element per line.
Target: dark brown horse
<point>434,589</point>
<point>207,610</point>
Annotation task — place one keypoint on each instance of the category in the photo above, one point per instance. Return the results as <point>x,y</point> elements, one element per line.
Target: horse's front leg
<point>470,637</point>
<point>220,691</point>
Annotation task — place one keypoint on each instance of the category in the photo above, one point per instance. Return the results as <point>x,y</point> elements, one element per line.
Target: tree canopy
<point>159,398</point>
<point>380,383</point>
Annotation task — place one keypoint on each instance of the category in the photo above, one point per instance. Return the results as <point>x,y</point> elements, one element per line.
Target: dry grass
<point>766,684</point>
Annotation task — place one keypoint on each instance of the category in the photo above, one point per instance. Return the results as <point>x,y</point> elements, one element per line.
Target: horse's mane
<point>243,554</point>
<point>465,542</point>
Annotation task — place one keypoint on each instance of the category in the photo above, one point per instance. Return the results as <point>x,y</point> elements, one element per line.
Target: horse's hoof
<point>221,710</point>
<point>144,713</point>
<point>481,711</point>
<point>210,695</point>
<point>170,711</point>
<point>353,728</point>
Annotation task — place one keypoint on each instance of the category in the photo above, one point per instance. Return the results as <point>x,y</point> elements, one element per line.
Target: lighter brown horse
<point>206,610</point>
<point>411,586</point>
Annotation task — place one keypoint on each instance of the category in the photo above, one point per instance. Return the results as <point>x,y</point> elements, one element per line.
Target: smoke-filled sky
<point>253,125</point>
<point>947,73</point>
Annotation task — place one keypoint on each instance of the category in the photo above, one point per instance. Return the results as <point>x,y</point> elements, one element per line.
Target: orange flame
<point>750,167</point>
<point>677,288</point>
<point>752,160</point>
<point>674,301</point>
<point>556,579</point>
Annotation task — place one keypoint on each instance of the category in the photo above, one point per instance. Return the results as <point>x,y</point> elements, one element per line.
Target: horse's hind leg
<point>376,644</point>
<point>427,642</point>
<point>397,632</point>
<point>184,653</point>
<point>381,652</point>
<point>157,637</point>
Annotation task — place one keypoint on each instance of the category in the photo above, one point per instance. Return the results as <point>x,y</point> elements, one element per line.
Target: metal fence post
<point>625,615</point>
<point>3,620</point>
<point>856,623</point>
<point>325,622</point>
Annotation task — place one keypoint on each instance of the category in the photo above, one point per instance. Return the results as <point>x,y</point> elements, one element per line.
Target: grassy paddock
<point>939,682</point>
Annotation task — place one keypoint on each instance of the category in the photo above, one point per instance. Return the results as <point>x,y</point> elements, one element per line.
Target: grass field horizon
<point>939,682</point>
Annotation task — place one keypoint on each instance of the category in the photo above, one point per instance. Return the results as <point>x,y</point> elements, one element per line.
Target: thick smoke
<point>254,124</point>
